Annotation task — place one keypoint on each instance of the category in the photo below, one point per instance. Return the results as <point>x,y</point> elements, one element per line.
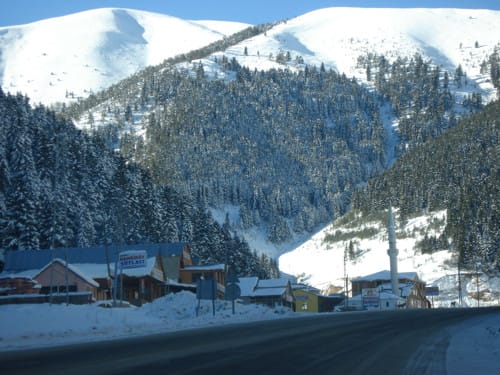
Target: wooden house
<point>191,274</point>
<point>63,277</point>
<point>271,292</point>
<point>20,284</point>
<point>136,285</point>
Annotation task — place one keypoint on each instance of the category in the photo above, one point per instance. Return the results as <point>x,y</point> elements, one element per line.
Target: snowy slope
<point>338,36</point>
<point>321,262</point>
<point>49,58</point>
<point>91,50</point>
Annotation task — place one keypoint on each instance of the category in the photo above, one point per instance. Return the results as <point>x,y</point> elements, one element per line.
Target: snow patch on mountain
<point>60,59</point>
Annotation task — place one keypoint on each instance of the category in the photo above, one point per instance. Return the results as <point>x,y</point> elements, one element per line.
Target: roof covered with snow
<point>273,283</point>
<point>91,263</point>
<point>16,261</point>
<point>386,275</point>
<point>247,285</point>
<point>88,279</point>
<point>253,287</point>
<point>209,267</point>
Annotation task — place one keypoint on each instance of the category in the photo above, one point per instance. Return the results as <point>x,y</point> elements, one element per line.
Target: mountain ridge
<point>81,60</point>
<point>336,37</point>
<point>333,36</point>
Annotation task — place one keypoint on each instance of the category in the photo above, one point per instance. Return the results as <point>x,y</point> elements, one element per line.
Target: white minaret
<point>393,253</point>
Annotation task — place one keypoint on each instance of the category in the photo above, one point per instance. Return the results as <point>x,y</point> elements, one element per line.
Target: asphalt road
<point>396,342</point>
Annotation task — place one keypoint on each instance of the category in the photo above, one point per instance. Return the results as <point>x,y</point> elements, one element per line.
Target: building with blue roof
<point>161,264</point>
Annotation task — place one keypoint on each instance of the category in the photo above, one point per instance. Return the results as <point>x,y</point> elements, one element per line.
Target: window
<point>58,289</point>
<point>62,288</point>
<point>195,276</point>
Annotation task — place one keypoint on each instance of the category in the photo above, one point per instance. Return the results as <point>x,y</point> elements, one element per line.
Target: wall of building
<point>19,285</point>
<point>305,301</point>
<point>56,274</point>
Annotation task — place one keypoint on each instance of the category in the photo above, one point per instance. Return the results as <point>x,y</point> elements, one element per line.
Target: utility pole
<point>51,273</point>
<point>459,285</point>
<point>346,280</point>
<point>66,275</point>
<point>477,282</point>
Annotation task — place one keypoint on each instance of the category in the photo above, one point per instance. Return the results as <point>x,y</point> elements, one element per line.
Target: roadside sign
<point>233,292</point>
<point>132,259</point>
<point>432,291</point>
<point>371,297</point>
<point>206,289</point>
<point>371,301</point>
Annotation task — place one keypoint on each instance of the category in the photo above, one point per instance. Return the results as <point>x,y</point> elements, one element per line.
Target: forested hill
<point>457,171</point>
<point>62,188</point>
<point>286,149</point>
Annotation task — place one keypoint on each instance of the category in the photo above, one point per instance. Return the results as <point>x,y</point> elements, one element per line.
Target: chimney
<point>393,253</point>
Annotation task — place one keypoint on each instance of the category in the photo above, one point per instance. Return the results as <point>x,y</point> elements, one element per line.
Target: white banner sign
<point>133,259</point>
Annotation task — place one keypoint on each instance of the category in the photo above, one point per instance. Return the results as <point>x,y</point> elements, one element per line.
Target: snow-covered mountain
<point>60,58</point>
<point>336,37</point>
<point>53,59</point>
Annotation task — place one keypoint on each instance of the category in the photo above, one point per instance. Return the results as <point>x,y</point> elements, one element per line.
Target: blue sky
<point>15,12</point>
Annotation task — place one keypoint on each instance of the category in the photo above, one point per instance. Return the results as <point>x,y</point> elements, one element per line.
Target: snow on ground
<point>36,325</point>
<point>323,262</point>
<point>474,347</point>
<point>474,344</point>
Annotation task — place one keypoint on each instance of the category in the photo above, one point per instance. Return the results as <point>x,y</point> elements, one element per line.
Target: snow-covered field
<point>474,345</point>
